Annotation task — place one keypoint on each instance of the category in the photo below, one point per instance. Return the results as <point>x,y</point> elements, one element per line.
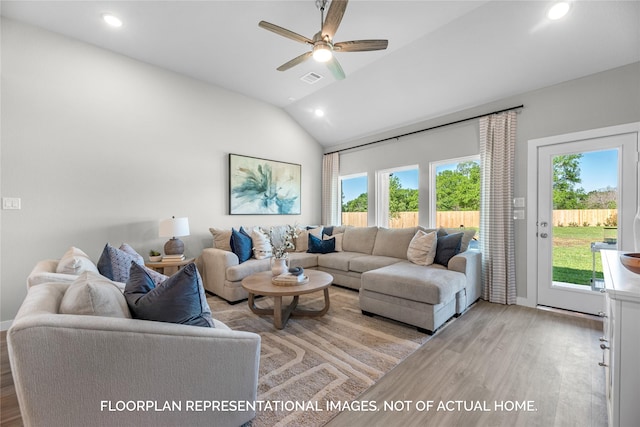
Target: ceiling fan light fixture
<point>322,52</point>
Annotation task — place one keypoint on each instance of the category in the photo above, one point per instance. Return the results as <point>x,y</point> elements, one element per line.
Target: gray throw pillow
<point>448,246</point>
<point>179,299</point>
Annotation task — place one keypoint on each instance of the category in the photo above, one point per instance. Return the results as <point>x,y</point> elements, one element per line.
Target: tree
<point>606,198</point>
<point>401,199</point>
<point>459,189</point>
<point>566,175</point>
<point>359,204</point>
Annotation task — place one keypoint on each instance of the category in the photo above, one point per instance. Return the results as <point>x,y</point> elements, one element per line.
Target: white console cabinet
<point>621,341</point>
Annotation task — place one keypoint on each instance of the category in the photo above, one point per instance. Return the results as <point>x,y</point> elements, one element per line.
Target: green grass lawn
<point>572,257</point>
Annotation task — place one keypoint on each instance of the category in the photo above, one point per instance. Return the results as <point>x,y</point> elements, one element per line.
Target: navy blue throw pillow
<point>448,246</point>
<point>179,299</point>
<point>317,246</point>
<point>241,244</point>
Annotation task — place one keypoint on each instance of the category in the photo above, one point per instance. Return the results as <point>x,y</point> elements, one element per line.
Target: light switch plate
<point>11,203</point>
<point>518,214</point>
<point>518,202</point>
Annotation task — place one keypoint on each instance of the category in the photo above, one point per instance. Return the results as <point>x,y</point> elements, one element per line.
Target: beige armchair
<point>74,370</point>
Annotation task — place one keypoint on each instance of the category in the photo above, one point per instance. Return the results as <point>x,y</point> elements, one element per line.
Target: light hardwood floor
<point>492,354</point>
<point>495,354</point>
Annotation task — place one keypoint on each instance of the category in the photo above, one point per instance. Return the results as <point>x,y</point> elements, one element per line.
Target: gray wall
<point>604,99</point>
<point>99,147</point>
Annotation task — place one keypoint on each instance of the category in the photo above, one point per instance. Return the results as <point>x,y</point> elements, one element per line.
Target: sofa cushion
<point>125,247</point>
<point>261,245</point>
<point>432,285</point>
<point>467,235</point>
<point>221,238</point>
<point>321,246</point>
<point>422,248</point>
<point>75,261</point>
<point>337,260</point>
<point>302,241</point>
<point>393,242</point>
<point>94,295</point>
<point>359,239</point>
<point>337,238</point>
<point>303,259</point>
<point>179,299</point>
<point>114,264</point>
<point>371,262</point>
<point>241,244</point>
<point>447,247</point>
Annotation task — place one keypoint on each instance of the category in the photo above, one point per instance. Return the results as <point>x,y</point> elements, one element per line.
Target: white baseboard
<point>5,325</point>
<point>526,302</point>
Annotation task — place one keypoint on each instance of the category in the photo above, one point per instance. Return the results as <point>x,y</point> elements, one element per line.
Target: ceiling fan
<point>322,42</point>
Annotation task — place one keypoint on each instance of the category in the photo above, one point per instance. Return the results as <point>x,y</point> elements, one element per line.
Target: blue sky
<point>598,170</point>
<point>354,187</point>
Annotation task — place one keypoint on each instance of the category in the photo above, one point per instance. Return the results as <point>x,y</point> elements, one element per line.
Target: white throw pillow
<point>422,248</point>
<point>338,238</point>
<point>75,261</point>
<point>94,295</point>
<point>261,245</point>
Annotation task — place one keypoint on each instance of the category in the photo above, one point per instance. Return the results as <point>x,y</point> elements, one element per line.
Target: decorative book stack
<point>288,279</point>
<point>168,258</point>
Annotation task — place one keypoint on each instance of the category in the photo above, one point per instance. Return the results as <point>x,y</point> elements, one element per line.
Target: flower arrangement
<point>282,242</point>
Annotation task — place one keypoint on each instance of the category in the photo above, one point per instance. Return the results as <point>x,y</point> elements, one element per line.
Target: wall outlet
<point>11,203</point>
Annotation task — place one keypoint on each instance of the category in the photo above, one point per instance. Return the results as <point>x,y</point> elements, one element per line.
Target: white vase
<point>279,266</point>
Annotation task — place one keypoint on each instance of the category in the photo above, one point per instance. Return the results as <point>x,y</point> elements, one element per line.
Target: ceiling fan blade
<point>361,45</point>
<point>284,32</point>
<point>334,16</point>
<point>295,61</point>
<point>334,66</point>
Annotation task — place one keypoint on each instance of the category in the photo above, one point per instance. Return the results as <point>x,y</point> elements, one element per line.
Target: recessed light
<point>318,112</point>
<point>558,10</point>
<point>112,20</point>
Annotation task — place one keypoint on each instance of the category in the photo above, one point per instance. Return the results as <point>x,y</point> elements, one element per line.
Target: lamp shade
<point>174,227</point>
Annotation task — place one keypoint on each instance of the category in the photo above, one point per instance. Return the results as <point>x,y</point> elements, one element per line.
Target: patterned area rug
<point>314,366</point>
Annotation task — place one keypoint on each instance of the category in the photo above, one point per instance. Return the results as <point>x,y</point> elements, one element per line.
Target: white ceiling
<point>443,56</point>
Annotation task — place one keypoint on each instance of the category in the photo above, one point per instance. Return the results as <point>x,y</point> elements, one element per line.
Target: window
<point>397,197</point>
<point>455,193</point>
<point>355,198</point>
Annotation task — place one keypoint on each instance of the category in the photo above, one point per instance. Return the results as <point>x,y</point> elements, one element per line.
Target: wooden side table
<point>168,268</point>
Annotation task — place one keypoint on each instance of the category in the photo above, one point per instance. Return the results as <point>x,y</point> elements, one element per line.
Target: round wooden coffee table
<point>260,284</point>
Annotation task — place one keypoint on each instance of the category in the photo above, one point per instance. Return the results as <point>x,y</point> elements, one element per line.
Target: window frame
<point>351,176</point>
<point>382,199</point>
<point>432,181</point>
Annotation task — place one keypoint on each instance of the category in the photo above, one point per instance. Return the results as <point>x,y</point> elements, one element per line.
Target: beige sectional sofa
<point>374,261</point>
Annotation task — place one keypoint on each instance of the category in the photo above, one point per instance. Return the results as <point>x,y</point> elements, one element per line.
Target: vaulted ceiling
<point>443,56</point>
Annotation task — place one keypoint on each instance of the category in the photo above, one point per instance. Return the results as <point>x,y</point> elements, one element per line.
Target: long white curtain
<point>331,189</point>
<point>497,240</point>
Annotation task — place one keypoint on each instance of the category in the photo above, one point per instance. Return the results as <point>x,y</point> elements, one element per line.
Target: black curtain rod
<point>427,129</point>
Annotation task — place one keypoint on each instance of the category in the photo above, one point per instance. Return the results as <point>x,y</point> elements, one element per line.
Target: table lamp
<point>171,228</point>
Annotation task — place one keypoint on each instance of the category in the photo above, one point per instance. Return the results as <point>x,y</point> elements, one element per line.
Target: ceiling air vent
<point>311,78</point>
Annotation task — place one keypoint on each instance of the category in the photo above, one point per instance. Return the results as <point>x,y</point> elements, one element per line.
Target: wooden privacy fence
<point>453,219</point>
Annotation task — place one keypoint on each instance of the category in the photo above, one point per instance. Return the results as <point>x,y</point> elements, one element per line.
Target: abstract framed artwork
<point>263,187</point>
